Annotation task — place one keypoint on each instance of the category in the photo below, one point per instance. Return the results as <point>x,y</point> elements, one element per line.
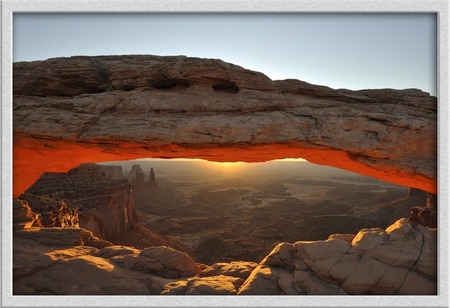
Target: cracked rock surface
<point>71,261</point>
<point>375,261</point>
<point>68,111</point>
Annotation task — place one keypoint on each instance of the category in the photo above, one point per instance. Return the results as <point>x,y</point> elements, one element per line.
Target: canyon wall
<point>113,172</point>
<point>68,111</point>
<point>85,195</point>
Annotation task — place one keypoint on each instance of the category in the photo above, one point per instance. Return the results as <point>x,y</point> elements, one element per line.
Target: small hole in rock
<point>226,87</point>
<point>127,87</point>
<point>170,83</point>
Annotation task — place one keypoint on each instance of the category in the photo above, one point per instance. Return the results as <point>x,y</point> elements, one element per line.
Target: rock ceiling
<point>68,111</point>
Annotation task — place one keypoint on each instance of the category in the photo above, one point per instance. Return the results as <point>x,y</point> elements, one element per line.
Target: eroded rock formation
<point>398,260</point>
<point>152,181</point>
<point>87,196</point>
<point>58,261</point>
<point>23,216</point>
<point>113,172</point>
<point>136,176</point>
<point>68,111</point>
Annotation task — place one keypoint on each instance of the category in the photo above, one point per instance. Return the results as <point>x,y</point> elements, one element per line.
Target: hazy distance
<point>240,211</point>
<point>195,169</point>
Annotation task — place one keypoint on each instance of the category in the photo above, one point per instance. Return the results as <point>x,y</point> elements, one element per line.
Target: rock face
<point>68,111</point>
<point>84,195</point>
<point>51,212</point>
<point>113,172</point>
<point>58,261</point>
<point>23,216</point>
<point>152,181</point>
<point>148,197</point>
<point>399,260</point>
<point>136,176</point>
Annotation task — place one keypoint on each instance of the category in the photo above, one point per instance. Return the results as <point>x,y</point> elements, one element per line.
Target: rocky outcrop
<point>113,172</point>
<point>238,269</point>
<point>87,197</point>
<point>56,261</point>
<point>136,176</point>
<point>152,180</point>
<point>164,261</point>
<point>213,285</point>
<point>23,216</point>
<point>69,111</point>
<point>399,260</point>
<point>217,279</point>
<point>52,212</point>
<point>424,216</point>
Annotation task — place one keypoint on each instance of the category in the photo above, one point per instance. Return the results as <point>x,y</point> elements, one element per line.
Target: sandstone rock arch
<point>68,111</point>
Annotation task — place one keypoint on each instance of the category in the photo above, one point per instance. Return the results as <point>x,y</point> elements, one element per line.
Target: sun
<point>228,164</point>
<point>227,167</point>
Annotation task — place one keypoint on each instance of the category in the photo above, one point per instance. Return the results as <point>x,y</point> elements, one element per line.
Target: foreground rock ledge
<point>68,111</point>
<point>400,260</point>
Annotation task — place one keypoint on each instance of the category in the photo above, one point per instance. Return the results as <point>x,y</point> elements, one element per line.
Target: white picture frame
<point>439,7</point>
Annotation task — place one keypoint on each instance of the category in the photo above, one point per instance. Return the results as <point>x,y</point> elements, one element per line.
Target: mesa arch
<point>68,111</point>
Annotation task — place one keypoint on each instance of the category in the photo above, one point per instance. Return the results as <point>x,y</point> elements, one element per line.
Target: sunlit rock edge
<point>400,260</point>
<point>69,111</point>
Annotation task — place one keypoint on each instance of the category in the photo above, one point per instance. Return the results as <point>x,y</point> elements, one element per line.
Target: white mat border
<point>9,7</point>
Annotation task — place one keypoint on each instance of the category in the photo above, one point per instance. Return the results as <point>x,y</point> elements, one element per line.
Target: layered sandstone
<point>399,260</point>
<point>136,176</point>
<point>56,261</point>
<point>113,172</point>
<point>23,216</point>
<point>86,196</point>
<point>68,111</point>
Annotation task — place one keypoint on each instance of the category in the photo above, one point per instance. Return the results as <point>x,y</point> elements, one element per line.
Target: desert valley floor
<point>234,215</point>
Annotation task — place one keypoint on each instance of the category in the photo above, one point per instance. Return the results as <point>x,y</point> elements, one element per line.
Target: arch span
<point>69,111</point>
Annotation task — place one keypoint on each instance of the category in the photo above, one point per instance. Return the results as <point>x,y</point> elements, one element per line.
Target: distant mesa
<point>113,172</point>
<point>149,198</point>
<point>137,177</point>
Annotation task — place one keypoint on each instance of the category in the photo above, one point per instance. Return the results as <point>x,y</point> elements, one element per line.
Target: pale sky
<point>353,51</point>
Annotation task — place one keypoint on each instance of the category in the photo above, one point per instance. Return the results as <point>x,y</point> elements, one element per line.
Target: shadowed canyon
<point>84,212</point>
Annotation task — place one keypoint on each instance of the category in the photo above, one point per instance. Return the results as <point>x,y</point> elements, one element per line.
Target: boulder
<point>64,261</point>
<point>99,277</point>
<point>210,285</point>
<point>238,269</point>
<point>165,262</point>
